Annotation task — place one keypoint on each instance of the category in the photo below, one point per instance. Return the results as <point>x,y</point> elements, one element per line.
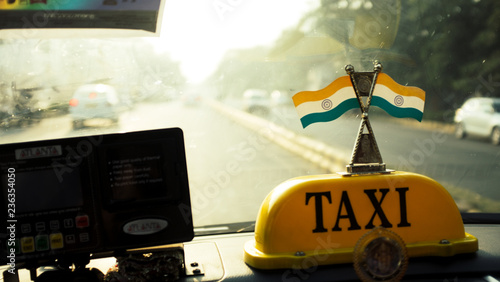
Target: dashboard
<point>220,258</point>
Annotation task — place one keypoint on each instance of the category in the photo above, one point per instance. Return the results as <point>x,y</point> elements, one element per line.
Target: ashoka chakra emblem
<point>326,104</point>
<point>399,100</point>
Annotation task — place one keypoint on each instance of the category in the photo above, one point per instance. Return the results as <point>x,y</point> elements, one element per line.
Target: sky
<point>199,33</point>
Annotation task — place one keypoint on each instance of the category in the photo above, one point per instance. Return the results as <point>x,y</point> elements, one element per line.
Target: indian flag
<point>326,104</point>
<point>398,100</point>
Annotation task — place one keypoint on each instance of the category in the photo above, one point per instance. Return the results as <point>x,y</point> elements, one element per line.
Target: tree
<point>455,49</point>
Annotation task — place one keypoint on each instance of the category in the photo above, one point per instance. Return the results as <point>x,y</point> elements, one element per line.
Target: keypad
<point>43,236</point>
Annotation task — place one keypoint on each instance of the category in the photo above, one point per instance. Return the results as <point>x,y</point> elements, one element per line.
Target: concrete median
<point>328,158</point>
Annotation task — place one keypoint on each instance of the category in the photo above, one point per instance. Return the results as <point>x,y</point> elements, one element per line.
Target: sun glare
<point>198,41</point>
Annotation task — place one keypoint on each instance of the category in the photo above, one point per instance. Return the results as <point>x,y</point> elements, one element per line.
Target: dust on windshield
<point>225,72</point>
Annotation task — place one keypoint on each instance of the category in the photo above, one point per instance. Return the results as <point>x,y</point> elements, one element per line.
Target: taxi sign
<point>369,215</point>
<point>320,218</point>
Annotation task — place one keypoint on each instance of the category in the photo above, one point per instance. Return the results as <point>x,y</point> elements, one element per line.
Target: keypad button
<point>27,245</point>
<point>42,242</point>
<point>54,225</point>
<point>40,226</point>
<point>84,237</point>
<point>56,241</point>
<point>25,228</point>
<point>68,223</point>
<point>70,239</point>
<point>82,221</point>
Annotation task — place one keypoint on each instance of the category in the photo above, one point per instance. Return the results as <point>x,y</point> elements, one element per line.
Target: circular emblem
<point>380,255</point>
<point>399,100</point>
<point>364,85</point>
<point>326,104</point>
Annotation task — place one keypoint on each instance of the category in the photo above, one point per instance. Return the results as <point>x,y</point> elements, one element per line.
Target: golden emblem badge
<point>380,255</point>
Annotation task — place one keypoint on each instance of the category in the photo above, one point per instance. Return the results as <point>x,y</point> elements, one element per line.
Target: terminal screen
<point>40,190</point>
<point>136,172</point>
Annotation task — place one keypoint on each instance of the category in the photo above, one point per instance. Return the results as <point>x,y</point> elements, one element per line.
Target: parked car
<point>479,117</point>
<point>94,101</point>
<point>256,101</point>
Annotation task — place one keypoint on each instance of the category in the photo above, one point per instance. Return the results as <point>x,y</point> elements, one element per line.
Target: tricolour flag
<point>326,104</point>
<point>398,100</point>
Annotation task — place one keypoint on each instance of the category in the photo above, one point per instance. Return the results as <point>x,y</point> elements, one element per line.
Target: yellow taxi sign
<point>323,216</point>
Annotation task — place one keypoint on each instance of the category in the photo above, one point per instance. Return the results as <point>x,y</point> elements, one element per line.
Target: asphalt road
<point>470,164</point>
<point>232,168</point>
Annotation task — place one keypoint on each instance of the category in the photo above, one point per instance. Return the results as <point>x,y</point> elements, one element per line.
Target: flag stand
<point>366,157</point>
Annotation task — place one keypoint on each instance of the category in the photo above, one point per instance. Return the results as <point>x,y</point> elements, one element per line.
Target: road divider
<point>330,159</point>
<point>324,156</point>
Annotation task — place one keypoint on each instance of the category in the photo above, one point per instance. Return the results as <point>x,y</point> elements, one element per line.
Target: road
<point>462,166</point>
<point>232,168</point>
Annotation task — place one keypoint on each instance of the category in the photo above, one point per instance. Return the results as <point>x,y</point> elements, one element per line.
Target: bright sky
<point>198,33</point>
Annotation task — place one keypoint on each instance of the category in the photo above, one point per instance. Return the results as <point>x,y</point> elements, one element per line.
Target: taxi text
<point>346,211</point>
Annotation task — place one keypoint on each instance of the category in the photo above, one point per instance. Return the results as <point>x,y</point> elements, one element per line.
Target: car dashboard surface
<point>220,258</point>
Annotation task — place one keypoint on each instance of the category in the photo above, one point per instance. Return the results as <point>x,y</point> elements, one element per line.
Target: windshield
<point>240,146</point>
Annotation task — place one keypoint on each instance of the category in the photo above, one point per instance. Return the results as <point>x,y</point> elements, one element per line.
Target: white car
<point>479,117</point>
<point>94,101</point>
<point>256,101</point>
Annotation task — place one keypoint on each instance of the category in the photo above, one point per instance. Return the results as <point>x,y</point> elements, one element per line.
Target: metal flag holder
<point>366,157</point>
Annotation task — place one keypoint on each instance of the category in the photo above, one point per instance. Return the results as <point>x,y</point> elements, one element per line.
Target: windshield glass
<point>225,72</point>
